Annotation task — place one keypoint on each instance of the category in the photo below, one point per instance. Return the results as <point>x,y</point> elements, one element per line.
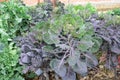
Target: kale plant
<point>43,12</point>
<point>31,53</point>
<point>111,39</point>
<point>40,12</point>
<point>65,42</point>
<point>84,12</point>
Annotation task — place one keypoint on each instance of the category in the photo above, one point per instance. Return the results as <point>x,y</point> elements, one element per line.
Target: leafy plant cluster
<point>111,20</point>
<point>9,69</point>
<point>61,40</point>
<point>111,39</point>
<point>14,21</point>
<point>32,55</point>
<point>84,11</point>
<point>116,12</point>
<point>13,18</point>
<point>40,12</point>
<point>66,42</point>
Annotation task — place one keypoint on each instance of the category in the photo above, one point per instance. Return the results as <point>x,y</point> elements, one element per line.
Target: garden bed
<point>70,42</point>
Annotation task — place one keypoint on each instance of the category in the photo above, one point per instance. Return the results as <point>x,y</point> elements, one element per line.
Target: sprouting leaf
<point>61,71</point>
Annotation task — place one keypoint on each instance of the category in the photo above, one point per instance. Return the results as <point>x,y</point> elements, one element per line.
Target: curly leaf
<point>85,43</point>
<point>50,37</point>
<point>97,43</point>
<point>47,38</point>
